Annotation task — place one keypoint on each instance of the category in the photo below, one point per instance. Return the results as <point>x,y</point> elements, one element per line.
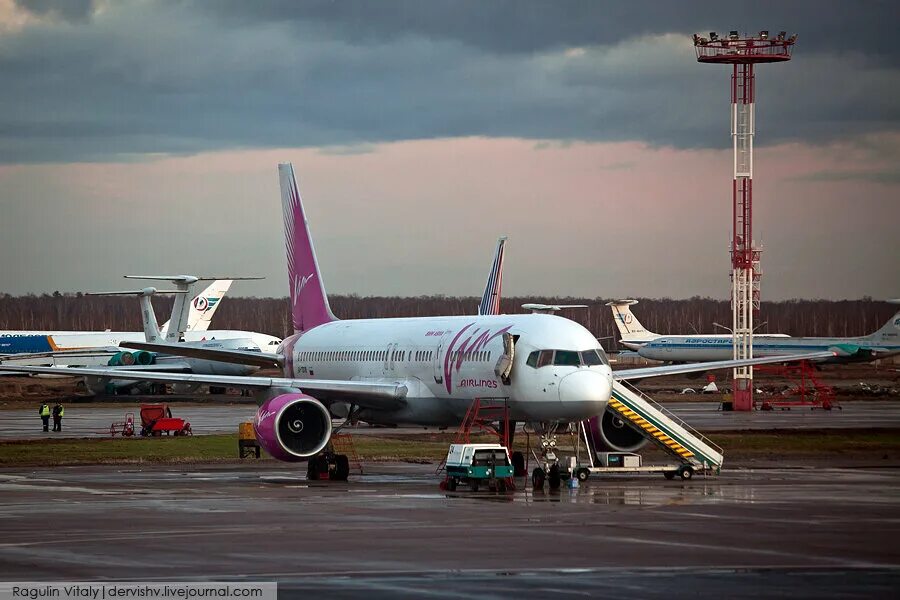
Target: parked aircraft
<point>698,348</point>
<point>189,322</point>
<point>634,335</point>
<point>424,370</point>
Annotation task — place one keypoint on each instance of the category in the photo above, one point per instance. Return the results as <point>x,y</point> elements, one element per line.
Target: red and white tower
<point>742,52</point>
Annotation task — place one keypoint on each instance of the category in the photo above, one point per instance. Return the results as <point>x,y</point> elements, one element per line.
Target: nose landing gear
<point>548,469</point>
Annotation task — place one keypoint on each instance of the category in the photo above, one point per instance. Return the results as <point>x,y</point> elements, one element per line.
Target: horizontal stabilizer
<point>643,373</point>
<point>77,353</point>
<point>187,279</point>
<point>240,357</point>
<point>144,292</point>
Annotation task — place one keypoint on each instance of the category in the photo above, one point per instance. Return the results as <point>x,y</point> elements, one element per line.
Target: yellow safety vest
<point>45,411</point>
<point>62,411</point>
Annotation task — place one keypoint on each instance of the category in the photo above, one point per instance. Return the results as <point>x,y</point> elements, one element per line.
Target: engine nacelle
<point>609,432</point>
<point>292,427</point>
<point>121,359</point>
<point>142,357</point>
<point>125,358</point>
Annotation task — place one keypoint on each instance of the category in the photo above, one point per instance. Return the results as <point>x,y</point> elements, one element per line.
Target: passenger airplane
<point>424,370</point>
<point>195,318</point>
<point>698,348</point>
<point>634,335</point>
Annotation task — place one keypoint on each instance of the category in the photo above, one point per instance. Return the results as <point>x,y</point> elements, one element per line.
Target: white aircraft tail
<point>152,331</point>
<point>196,314</point>
<point>205,304</point>
<point>630,328</point>
<point>888,331</point>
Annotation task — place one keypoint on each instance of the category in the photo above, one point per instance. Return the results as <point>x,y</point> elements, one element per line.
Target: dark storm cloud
<point>182,77</point>
<point>514,26</point>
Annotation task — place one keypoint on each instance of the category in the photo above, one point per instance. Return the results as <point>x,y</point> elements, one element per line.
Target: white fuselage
<point>446,362</point>
<point>713,348</point>
<point>714,338</point>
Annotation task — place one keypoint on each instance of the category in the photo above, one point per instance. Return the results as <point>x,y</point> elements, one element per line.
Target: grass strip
<point>425,447</point>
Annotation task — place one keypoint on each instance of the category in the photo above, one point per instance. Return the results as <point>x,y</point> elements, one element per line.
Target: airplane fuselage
<point>712,348</point>
<point>446,362</point>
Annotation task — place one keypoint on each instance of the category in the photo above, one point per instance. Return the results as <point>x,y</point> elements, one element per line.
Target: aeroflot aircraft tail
<point>890,331</point>
<point>630,328</point>
<point>309,303</point>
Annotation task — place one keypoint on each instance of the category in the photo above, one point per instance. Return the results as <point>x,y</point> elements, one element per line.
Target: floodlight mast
<point>743,52</point>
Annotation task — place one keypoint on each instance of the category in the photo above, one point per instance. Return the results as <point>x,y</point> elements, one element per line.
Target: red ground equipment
<point>125,428</point>
<point>157,419</point>
<point>808,391</point>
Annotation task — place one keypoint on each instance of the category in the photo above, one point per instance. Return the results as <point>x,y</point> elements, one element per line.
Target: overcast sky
<point>143,136</point>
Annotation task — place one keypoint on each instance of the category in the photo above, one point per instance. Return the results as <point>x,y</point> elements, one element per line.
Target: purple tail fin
<point>309,304</point>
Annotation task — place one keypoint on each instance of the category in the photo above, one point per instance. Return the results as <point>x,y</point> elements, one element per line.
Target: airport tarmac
<point>92,421</point>
<point>799,533</point>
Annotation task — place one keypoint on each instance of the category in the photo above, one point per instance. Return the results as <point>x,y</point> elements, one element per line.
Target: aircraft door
<point>437,362</point>
<point>389,357</point>
<point>504,365</point>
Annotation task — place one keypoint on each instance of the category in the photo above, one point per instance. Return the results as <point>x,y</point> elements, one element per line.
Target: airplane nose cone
<point>586,392</point>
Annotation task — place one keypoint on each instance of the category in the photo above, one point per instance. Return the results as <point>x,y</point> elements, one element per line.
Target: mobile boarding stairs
<point>693,451</point>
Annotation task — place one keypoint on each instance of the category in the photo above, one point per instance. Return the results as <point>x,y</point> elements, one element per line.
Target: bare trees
<point>271,315</point>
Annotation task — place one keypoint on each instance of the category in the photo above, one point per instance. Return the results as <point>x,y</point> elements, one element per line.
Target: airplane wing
<point>240,357</point>
<point>628,374</point>
<point>77,353</point>
<point>378,396</point>
<point>176,367</point>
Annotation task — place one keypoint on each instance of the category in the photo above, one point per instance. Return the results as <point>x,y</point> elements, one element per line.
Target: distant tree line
<point>271,315</point>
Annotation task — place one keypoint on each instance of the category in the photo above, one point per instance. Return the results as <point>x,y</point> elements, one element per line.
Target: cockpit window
<point>592,358</point>
<point>545,358</point>
<point>566,358</point>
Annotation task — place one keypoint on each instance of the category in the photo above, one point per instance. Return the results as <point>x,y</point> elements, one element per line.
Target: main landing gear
<point>328,466</point>
<point>332,464</point>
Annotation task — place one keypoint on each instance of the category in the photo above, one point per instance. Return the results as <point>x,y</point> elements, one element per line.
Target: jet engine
<point>609,432</point>
<point>127,358</point>
<point>293,427</point>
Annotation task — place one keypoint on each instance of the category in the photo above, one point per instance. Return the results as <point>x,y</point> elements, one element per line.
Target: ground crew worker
<point>44,411</point>
<point>58,412</point>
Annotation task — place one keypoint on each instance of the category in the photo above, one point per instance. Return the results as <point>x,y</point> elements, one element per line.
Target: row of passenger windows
<point>353,356</point>
<point>566,358</point>
<point>480,356</point>
<point>383,355</point>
